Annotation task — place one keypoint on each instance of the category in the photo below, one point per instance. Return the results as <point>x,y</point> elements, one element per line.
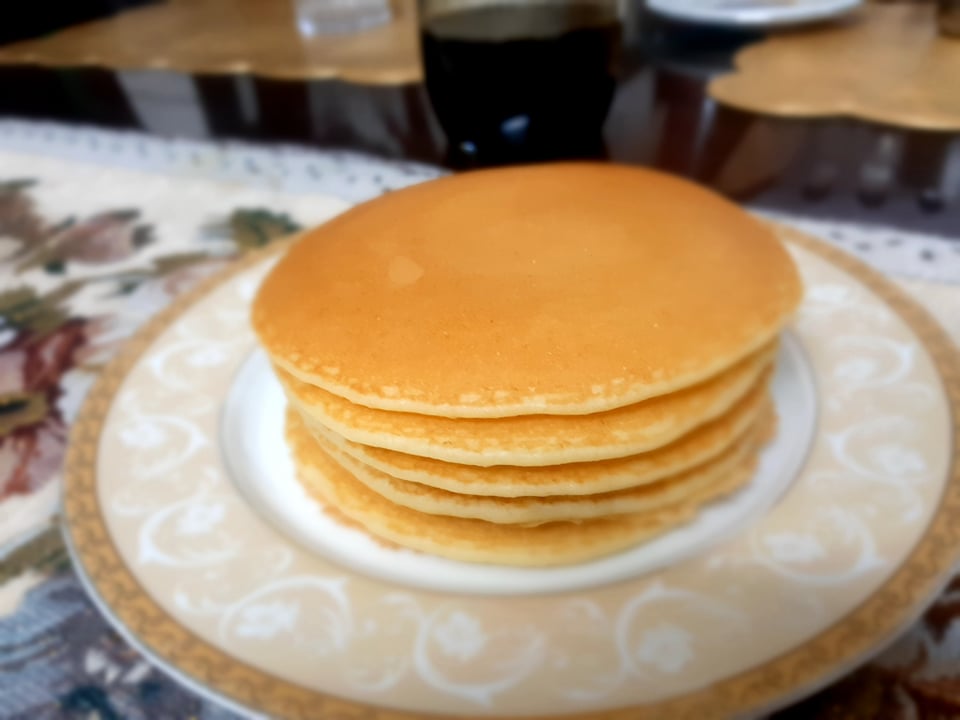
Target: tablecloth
<point>99,230</point>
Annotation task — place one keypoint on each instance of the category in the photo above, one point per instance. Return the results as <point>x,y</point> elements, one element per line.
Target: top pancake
<point>554,289</point>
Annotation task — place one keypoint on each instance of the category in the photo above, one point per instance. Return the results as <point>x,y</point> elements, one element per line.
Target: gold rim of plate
<point>888,611</point>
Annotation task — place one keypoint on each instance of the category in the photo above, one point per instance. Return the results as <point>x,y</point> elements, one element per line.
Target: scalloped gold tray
<point>886,63</point>
<point>259,37</point>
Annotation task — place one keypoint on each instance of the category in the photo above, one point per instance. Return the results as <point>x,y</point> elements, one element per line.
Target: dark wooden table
<point>661,115</point>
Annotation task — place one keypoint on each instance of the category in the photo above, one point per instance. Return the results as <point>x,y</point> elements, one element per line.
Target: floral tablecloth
<point>99,230</point>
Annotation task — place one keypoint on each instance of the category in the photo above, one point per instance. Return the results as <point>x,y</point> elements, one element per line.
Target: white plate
<point>751,13</point>
<point>260,463</point>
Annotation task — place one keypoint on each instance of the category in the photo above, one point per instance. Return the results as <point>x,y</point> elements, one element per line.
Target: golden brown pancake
<point>554,543</point>
<point>558,289</point>
<point>644,498</point>
<point>534,439</point>
<point>694,448</point>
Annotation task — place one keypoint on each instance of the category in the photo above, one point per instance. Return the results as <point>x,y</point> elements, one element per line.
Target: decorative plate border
<point>876,621</point>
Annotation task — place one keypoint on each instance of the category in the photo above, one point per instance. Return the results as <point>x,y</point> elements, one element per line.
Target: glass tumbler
<point>515,81</point>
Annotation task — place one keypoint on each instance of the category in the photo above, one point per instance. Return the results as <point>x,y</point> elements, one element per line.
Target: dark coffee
<point>522,83</point>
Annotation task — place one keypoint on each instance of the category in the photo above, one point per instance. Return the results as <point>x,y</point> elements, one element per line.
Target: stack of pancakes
<point>530,366</point>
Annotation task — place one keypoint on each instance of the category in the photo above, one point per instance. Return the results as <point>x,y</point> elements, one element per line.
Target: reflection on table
<point>363,90</point>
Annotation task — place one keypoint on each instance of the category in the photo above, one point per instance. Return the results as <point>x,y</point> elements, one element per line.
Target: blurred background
<point>838,108</point>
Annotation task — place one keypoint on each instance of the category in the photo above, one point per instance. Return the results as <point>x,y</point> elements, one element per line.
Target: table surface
<point>819,72</point>
<point>100,228</point>
<point>236,60</point>
<point>231,36</point>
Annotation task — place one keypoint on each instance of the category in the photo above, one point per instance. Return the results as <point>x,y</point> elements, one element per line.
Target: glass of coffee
<point>516,81</point>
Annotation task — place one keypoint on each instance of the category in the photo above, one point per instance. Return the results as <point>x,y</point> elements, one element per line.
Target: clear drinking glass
<point>339,17</point>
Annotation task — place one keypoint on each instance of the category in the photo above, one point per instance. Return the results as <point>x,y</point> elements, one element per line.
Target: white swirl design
<point>189,533</point>
<point>834,546</point>
<point>278,609</point>
<point>381,641</point>
<point>503,657</point>
<point>651,644</point>
<point>870,361</point>
<point>159,443</point>
<point>581,675</point>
